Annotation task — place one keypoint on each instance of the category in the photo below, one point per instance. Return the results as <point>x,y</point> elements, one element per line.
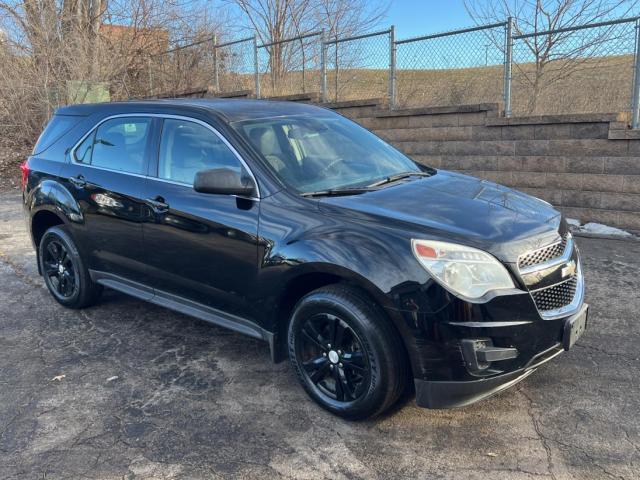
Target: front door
<point>107,175</point>
<point>202,247</point>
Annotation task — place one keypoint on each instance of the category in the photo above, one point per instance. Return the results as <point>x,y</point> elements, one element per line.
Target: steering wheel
<point>331,165</point>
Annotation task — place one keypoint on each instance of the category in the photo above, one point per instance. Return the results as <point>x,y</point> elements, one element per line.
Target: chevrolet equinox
<point>292,224</point>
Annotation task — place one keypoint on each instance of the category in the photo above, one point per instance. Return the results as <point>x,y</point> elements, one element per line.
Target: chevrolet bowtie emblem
<point>569,269</point>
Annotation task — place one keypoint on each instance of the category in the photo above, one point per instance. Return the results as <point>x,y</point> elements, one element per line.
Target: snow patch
<point>597,228</point>
<point>603,230</point>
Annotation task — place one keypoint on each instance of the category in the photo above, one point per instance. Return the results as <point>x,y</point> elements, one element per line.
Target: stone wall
<point>587,165</point>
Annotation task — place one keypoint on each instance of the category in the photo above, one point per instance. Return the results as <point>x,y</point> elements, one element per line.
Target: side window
<point>120,144</point>
<point>82,154</point>
<point>187,148</point>
<point>56,128</point>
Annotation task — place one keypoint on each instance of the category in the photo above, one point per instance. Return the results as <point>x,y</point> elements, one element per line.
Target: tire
<point>64,271</point>
<point>364,371</point>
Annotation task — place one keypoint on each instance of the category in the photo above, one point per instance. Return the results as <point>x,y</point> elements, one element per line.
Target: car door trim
<point>182,305</point>
<point>163,116</point>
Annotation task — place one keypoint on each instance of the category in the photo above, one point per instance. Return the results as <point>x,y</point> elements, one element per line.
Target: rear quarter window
<point>56,128</point>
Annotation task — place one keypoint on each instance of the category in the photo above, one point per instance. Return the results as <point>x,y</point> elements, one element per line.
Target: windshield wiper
<point>336,192</point>
<point>399,176</point>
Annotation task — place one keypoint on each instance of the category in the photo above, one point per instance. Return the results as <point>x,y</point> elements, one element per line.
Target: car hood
<point>461,209</point>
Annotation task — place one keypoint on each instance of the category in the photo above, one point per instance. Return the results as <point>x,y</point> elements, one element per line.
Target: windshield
<point>323,153</point>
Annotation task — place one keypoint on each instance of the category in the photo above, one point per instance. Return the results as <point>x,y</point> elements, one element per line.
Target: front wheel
<point>64,271</point>
<point>346,353</point>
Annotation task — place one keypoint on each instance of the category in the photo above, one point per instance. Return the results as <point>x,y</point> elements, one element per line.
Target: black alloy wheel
<point>59,270</point>
<point>64,270</point>
<point>347,354</point>
<point>332,357</point>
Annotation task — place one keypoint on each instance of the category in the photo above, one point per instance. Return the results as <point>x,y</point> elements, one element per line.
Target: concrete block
<point>622,165</point>
<point>565,181</point>
<point>519,132</point>
<point>552,132</point>
<point>488,147</point>
<point>602,183</point>
<point>581,164</point>
<point>581,199</point>
<point>629,220</point>
<point>631,184</point>
<point>590,130</point>
<point>529,179</point>
<point>508,163</point>
<point>532,147</point>
<point>621,201</point>
<point>541,163</point>
<point>485,133</point>
<point>475,118</point>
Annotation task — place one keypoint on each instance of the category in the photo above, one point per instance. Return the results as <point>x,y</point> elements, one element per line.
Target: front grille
<point>557,296</point>
<point>543,254</point>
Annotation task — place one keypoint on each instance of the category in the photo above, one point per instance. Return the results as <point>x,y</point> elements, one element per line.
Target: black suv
<point>290,223</point>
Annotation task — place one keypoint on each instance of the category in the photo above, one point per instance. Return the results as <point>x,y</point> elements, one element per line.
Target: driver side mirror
<point>224,181</point>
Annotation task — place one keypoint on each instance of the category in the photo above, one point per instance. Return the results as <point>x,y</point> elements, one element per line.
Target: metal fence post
<point>256,68</point>
<point>323,68</point>
<point>508,61</point>
<point>337,69</point>
<point>392,67</point>
<point>150,76</point>
<point>216,75</point>
<point>635,107</point>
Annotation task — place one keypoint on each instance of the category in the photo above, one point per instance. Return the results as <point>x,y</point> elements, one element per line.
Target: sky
<point>420,17</point>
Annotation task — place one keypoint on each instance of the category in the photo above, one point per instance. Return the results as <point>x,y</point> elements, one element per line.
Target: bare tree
<point>277,20</point>
<point>555,55</point>
<point>55,52</point>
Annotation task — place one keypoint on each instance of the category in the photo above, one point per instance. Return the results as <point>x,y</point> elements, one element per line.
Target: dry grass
<point>595,85</point>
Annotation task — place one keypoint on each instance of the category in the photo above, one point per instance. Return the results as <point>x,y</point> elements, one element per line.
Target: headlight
<point>465,271</point>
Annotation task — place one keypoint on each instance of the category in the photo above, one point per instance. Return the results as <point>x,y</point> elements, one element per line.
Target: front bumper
<point>451,393</point>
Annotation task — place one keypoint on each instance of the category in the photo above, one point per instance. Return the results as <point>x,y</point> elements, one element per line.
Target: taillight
<point>24,168</point>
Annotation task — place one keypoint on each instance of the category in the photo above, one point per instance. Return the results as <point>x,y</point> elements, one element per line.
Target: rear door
<point>107,174</point>
<point>202,247</point>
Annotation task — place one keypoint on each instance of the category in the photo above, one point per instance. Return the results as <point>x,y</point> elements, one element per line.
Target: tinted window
<point>188,147</point>
<point>323,152</point>
<point>120,144</point>
<point>82,153</point>
<point>58,126</point>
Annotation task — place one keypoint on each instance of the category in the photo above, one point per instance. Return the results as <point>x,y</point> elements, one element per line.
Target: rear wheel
<point>346,353</point>
<point>64,271</point>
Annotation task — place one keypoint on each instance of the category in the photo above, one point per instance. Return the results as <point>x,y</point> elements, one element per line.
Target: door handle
<point>78,181</point>
<point>158,204</point>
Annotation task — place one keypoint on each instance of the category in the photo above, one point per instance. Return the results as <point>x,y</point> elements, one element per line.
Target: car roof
<point>228,109</point>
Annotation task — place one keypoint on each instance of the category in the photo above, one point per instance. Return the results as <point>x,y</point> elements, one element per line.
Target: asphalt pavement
<point>130,390</point>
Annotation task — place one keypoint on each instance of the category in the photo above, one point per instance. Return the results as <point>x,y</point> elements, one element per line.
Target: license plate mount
<point>574,327</point>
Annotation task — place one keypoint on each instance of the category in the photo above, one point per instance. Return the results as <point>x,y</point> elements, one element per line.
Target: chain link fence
<point>234,66</point>
<point>452,68</point>
<point>358,67</point>
<point>578,70</point>
<point>182,69</point>
<point>290,66</point>
<point>588,68</point>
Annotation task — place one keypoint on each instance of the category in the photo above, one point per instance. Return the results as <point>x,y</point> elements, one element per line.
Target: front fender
<point>379,261</point>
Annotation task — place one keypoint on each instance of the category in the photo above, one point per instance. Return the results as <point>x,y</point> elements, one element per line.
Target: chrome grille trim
<point>553,255</point>
<point>569,308</point>
<point>564,257</point>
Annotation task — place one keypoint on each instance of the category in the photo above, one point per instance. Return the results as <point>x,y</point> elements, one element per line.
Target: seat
<point>264,139</point>
<point>110,151</point>
<point>186,157</point>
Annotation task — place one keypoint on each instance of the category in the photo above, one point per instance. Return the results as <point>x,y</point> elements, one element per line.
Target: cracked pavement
<point>130,390</point>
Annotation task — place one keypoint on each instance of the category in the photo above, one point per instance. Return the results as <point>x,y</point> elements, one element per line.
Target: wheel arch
<point>49,203</point>
<point>310,277</point>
